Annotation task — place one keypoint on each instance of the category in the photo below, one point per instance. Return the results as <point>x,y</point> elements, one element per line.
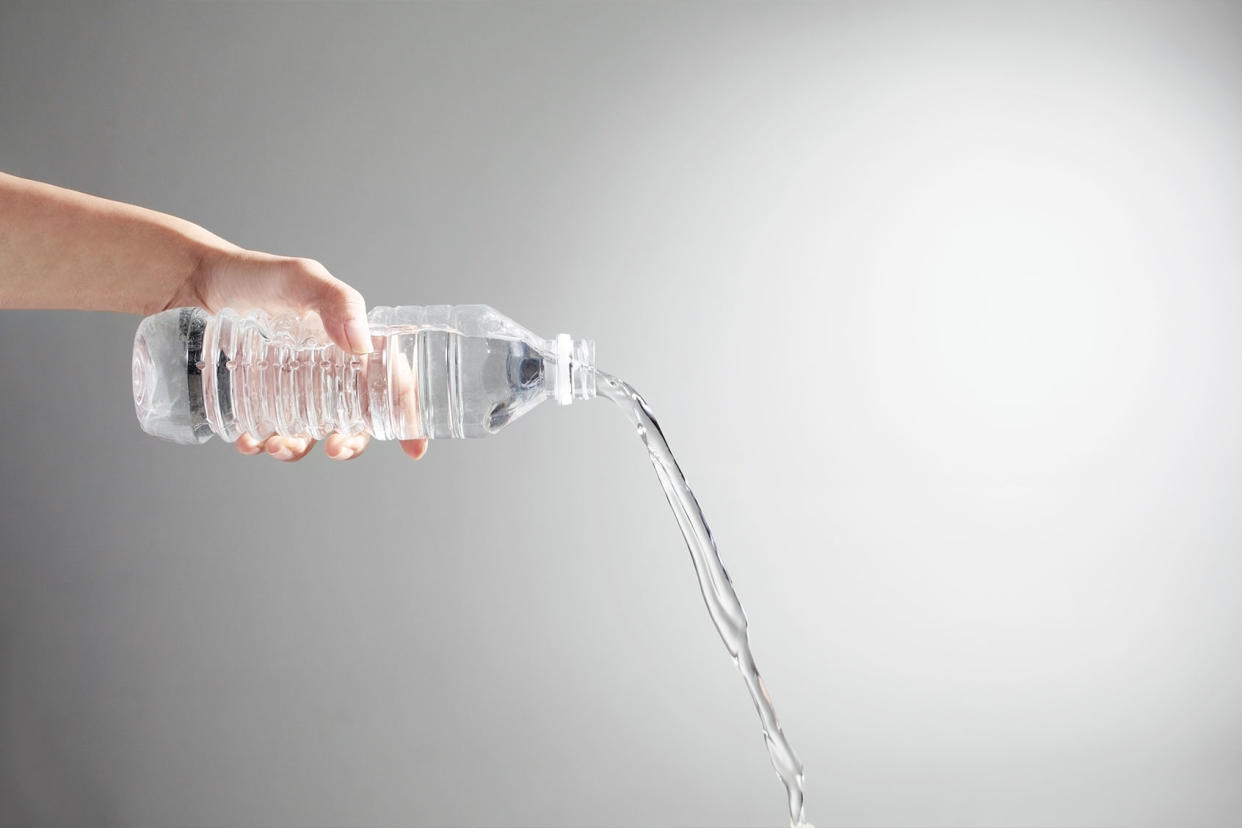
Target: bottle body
<point>436,372</point>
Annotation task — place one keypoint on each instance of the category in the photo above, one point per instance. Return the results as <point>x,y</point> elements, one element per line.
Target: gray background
<point>939,305</point>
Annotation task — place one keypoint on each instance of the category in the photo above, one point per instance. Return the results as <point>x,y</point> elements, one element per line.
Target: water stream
<point>718,593</point>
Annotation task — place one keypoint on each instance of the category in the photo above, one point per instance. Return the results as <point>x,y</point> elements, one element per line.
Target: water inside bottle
<point>718,593</point>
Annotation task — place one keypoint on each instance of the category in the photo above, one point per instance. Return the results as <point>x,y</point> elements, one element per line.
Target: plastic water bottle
<point>437,371</point>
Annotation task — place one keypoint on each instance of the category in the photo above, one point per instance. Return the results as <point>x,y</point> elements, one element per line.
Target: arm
<point>69,250</point>
<point>64,249</point>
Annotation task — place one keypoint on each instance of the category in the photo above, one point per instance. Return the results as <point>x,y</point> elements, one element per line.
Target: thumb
<point>340,307</point>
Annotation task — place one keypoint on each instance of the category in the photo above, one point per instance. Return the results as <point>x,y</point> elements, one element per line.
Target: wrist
<point>200,252</point>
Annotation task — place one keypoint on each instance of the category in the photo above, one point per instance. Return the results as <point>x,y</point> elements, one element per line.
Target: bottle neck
<point>574,374</point>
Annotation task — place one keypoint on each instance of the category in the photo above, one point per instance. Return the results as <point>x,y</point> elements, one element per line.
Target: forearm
<point>64,249</point>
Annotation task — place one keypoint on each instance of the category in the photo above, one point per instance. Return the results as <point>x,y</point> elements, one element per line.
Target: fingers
<point>307,284</point>
<point>249,446</point>
<point>415,449</point>
<point>285,449</point>
<point>405,401</point>
<point>288,449</point>
<point>338,447</point>
<point>346,446</point>
<point>403,395</point>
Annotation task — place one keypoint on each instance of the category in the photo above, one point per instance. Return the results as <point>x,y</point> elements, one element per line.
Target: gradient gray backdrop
<point>939,305</point>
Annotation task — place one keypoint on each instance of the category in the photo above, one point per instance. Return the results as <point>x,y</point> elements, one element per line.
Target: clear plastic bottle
<point>437,371</point>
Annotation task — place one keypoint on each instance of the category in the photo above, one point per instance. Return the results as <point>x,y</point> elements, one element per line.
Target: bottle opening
<point>575,369</point>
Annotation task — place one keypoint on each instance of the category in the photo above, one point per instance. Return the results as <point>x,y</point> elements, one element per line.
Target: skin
<point>61,249</point>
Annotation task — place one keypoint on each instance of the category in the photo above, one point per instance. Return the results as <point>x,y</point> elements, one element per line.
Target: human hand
<point>231,277</point>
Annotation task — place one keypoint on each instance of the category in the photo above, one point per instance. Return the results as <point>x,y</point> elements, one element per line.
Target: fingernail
<point>359,336</point>
<point>283,454</point>
<point>343,454</point>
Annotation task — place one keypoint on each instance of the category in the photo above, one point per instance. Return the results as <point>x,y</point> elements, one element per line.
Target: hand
<point>244,280</point>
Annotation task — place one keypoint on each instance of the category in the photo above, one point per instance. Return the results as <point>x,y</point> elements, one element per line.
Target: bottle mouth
<point>575,369</point>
